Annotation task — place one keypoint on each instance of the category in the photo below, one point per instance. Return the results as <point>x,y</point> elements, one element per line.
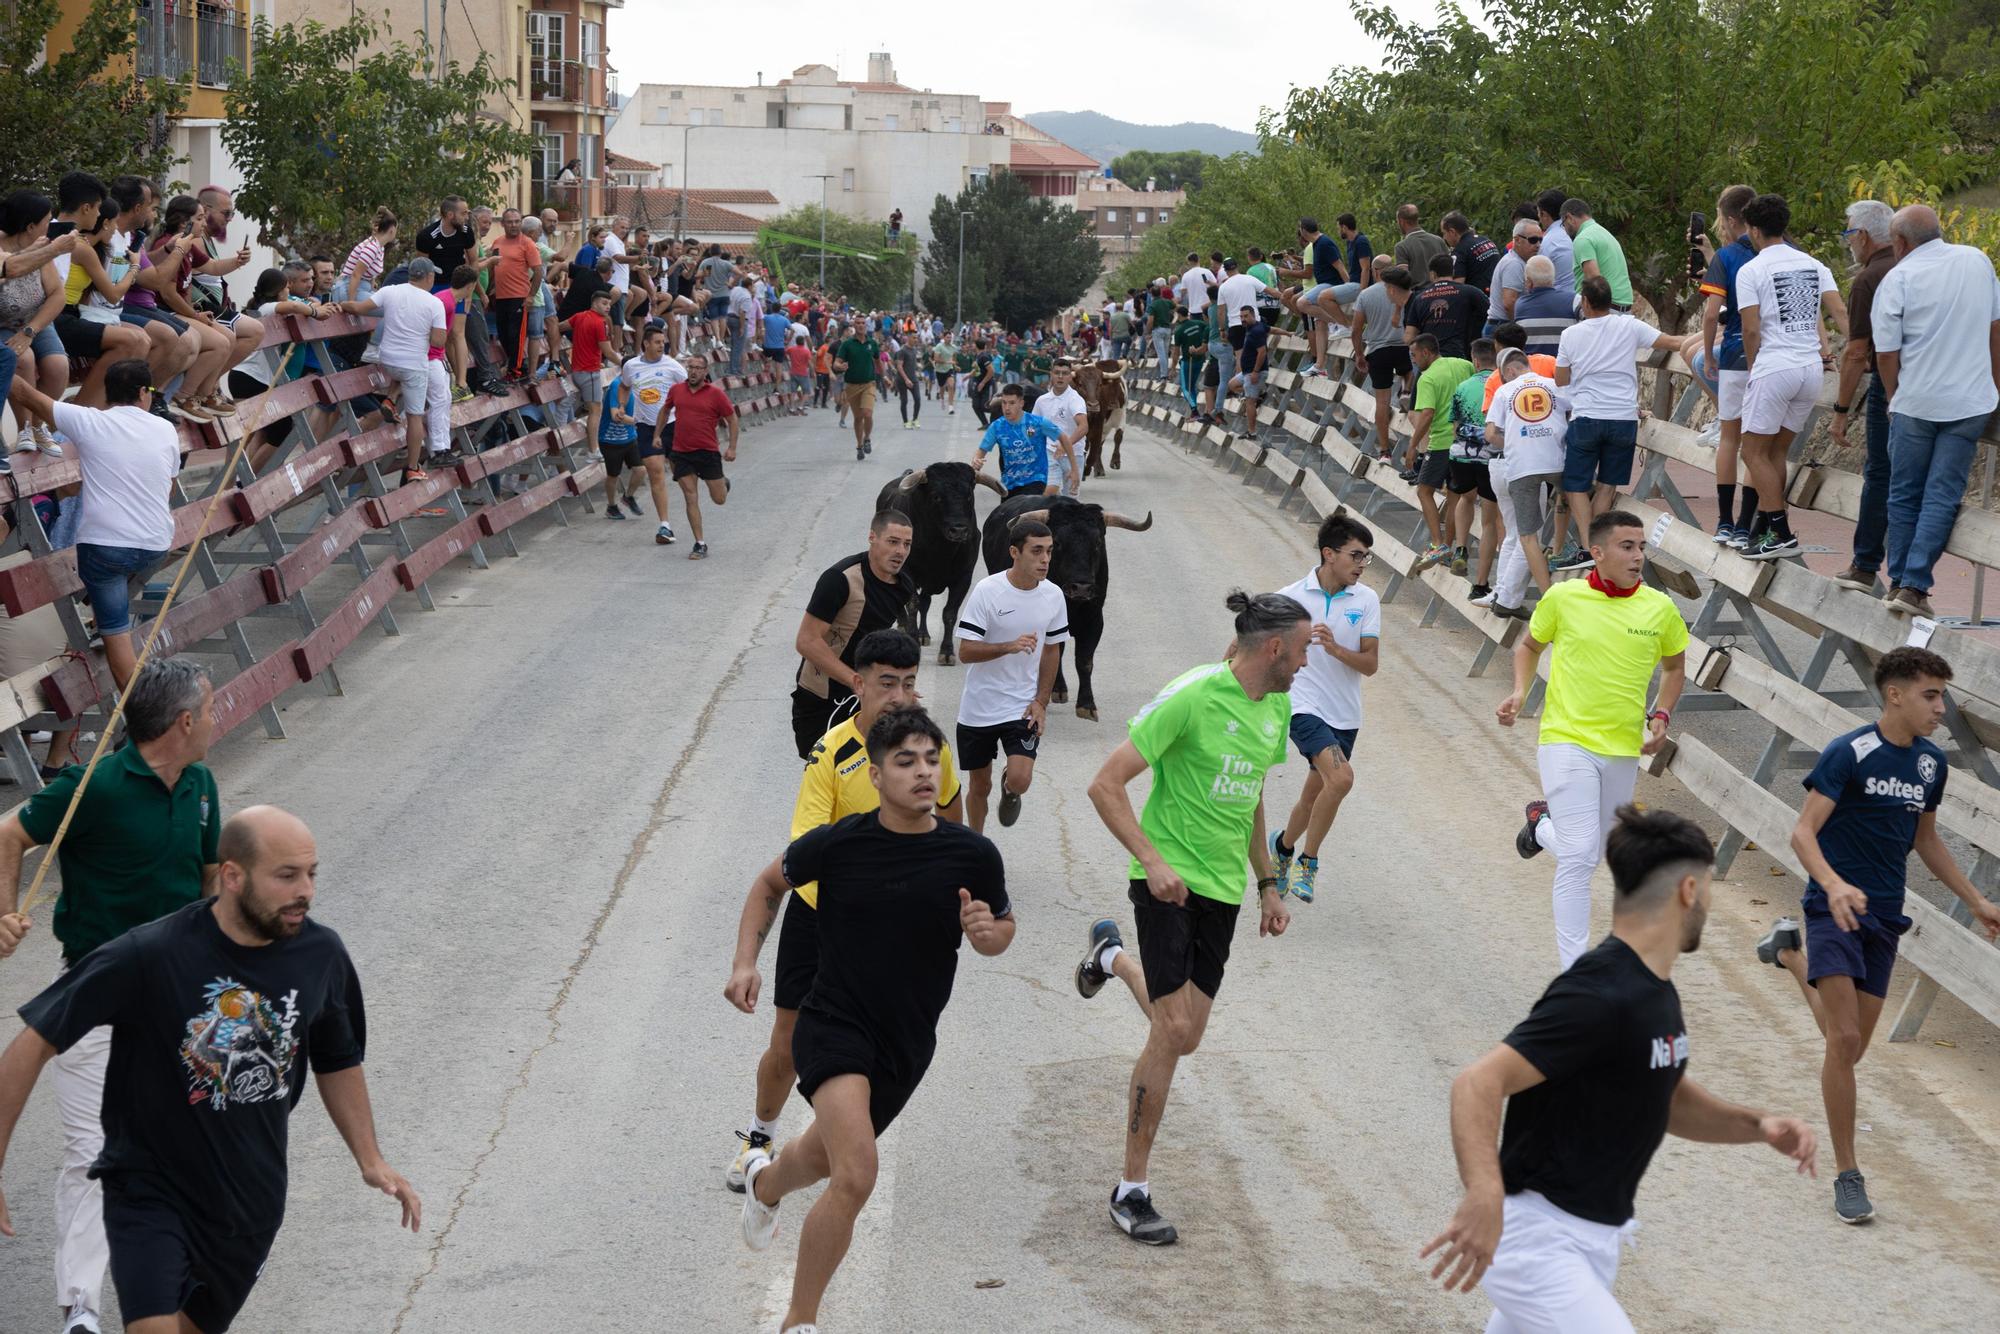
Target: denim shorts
<point>106,573</point>
<point>142,316</point>
<point>1598,451</point>
<point>1312,735</point>
<point>716,308</point>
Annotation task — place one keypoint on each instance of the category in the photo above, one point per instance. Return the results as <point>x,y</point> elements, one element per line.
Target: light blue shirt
<point>1558,247</point>
<point>1937,308</point>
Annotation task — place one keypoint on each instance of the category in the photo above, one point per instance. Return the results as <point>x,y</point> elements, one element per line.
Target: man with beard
<point>850,600</point>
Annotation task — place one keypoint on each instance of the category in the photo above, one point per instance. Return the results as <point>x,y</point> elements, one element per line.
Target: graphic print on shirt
<point>1670,1052</point>
<point>1238,780</point>
<point>1533,403</point>
<point>240,1048</point>
<point>1797,291</point>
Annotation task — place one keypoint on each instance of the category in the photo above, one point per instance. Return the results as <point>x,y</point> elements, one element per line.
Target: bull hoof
<point>923,638</point>
<point>945,658</point>
<point>1114,459</point>
<point>1059,696</point>
<point>1088,715</point>
<point>1118,436</point>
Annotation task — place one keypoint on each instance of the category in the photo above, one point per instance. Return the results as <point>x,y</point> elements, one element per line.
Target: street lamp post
<point>822,177</point>
<point>959,319</point>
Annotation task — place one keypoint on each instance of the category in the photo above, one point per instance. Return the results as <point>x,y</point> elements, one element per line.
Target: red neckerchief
<point>1611,590</point>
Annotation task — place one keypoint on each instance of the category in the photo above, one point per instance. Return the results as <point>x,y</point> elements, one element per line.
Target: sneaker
<point>1739,540</point>
<point>1525,842</point>
<point>613,512</point>
<point>632,505</point>
<point>859,454</point>
<point>1784,935</point>
<point>81,1321</point>
<point>1771,546</point>
<point>1410,474</point>
<point>1572,558</point>
<point>1850,1197</point>
<point>1281,864</point>
<point>1310,371</point>
<point>755,1142</point>
<point>868,445</point>
<point>1709,436</point>
<point>1723,533</point>
<point>801,1329</point>
<point>1090,974</point>
<point>1856,578</point>
<point>665,536</point>
<point>1482,595</point>
<point>700,551</point>
<point>1302,878</point>
<point>1459,564</point>
<point>1909,602</point>
<point>1135,1217</point>
<point>415,475</point>
<point>1435,552</point>
<point>1010,806</point>
<point>760,1220</point>
<point>1505,612</point>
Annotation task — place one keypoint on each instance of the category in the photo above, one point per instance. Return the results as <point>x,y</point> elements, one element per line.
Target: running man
<point>1062,407</point>
<point>944,370</point>
<point>898,888</point>
<point>835,786</point>
<point>1592,1080</point>
<point>1010,636</point>
<point>1870,801</point>
<point>216,1012</point>
<point>1346,642</point>
<point>1025,444</point>
<point>858,359</point>
<point>696,407</point>
<point>1210,737</point>
<point>1609,631</point>
<point>618,443</point>
<point>650,375</point>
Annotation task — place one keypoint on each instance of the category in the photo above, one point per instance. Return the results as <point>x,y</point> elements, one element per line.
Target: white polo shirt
<point>1327,688</point>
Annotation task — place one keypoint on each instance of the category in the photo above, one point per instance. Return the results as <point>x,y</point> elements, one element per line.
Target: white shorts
<point>1780,400</point>
<point>413,385</point>
<point>1553,1272</point>
<point>1729,395</point>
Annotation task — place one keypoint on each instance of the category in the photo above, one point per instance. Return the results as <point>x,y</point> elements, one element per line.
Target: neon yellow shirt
<point>835,785</point>
<point>1604,652</point>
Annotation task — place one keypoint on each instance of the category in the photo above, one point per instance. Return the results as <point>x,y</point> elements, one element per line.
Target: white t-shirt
<point>1066,411</point>
<point>1001,689</point>
<point>1326,687</point>
<point>1529,411</point>
<point>650,381</point>
<point>1602,356</point>
<point>1784,285</point>
<point>1194,289</point>
<point>621,273</point>
<point>409,313</point>
<point>1237,291</point>
<point>129,458</point>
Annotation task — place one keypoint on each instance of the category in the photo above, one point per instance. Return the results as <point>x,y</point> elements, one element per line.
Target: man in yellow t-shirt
<point>1609,631</point>
<point>835,786</point>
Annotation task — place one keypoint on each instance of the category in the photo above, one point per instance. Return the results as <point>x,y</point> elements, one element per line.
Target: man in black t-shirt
<point>865,592</point>
<point>216,1012</point>
<point>1473,257</point>
<point>1450,311</point>
<point>898,889</point>
<point>1592,1080</point>
<point>446,240</point>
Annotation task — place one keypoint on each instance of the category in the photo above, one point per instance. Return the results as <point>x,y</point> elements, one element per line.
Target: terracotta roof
<point>1023,154</point>
<point>614,161</point>
<point>732,196</point>
<point>655,208</point>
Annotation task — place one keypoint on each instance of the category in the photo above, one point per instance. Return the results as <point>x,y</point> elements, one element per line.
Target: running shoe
<point>1312,369</point>
<point>1482,595</point>
<point>1410,474</point>
<point>760,1220</point>
<point>1784,935</point>
<point>801,1329</point>
<point>1435,552</point>
<point>859,454</point>
<point>700,551</point>
<point>613,512</point>
<point>1134,1215</point>
<point>1771,546</point>
<point>868,445</point>
<point>1572,558</point>
<point>1739,539</point>
<point>1525,842</point>
<point>632,505</point>
<point>754,1142</point>
<point>1459,564</point>
<point>1302,878</point>
<point>1710,436</point>
<point>1723,533</point>
<point>1850,1197</point>
<point>1010,806</point>
<point>665,536</point>
<point>1281,864</point>
<point>81,1320</point>
<point>1091,975</point>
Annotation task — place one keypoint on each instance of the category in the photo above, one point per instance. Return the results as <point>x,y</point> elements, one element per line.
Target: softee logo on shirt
<point>1894,787</point>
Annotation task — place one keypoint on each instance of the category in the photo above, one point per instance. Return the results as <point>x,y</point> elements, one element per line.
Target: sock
<point>1725,502</point>
<point>1107,956</point>
<point>1781,523</point>
<point>1126,1188</point>
<point>1283,851</point>
<point>759,1126</point>
<point>1747,497</point>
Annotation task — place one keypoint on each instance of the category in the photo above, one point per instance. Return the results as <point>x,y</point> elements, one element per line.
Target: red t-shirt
<point>586,332</point>
<point>697,412</point>
<point>801,358</point>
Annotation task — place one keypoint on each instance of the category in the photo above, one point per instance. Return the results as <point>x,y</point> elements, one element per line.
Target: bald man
<point>216,1012</point>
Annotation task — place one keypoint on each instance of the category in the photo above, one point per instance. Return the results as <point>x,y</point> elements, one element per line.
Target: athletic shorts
<point>716,307</point>
<point>1435,470</point>
<point>1469,475</point>
<point>859,396</point>
<point>1386,363</point>
<point>652,446</point>
<point>587,384</point>
<point>619,455</point>
<point>977,746</point>
<point>798,954</point>
<point>1780,400</point>
<point>1729,395</point>
<point>823,1047</point>
<point>164,1262</point>
<point>1598,451</point>
<point>1867,954</point>
<point>703,463</point>
<point>413,385</point>
<point>1211,374</point>
<point>1311,735</point>
<point>1181,943</point>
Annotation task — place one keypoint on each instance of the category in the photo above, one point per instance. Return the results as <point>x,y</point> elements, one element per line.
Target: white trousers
<point>1510,574</point>
<point>1553,1272</point>
<point>437,409</point>
<point>1584,791</point>
<point>82,1254</point>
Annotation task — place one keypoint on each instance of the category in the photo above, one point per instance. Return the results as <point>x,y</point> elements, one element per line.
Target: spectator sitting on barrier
<point>168,278</point>
<point>90,329</point>
<point>29,304</point>
<point>413,322</point>
<point>369,257</point>
<point>1936,321</point>
<point>171,346</point>
<point>269,299</point>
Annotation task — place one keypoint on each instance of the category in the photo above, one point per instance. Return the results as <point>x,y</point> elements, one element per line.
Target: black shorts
<point>652,446</point>
<point>703,463</point>
<point>1182,943</point>
<point>1211,374</point>
<point>619,455</point>
<point>813,714</point>
<point>164,1262</point>
<point>774,354</point>
<point>798,954</point>
<point>977,746</point>
<point>823,1047</point>
<point>1468,476</point>
<point>1386,363</point>
<point>81,337</point>
<point>1435,470</point>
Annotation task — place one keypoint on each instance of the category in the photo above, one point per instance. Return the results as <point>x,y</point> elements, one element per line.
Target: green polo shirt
<point>135,851</point>
<point>861,356</point>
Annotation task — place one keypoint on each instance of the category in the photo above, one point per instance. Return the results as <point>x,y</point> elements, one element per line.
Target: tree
<point>1031,259</point>
<point>326,134</point>
<point>71,112</point>
<point>1168,171</point>
<point>870,284</point>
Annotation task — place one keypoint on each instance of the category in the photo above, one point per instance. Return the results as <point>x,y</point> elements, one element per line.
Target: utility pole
<point>822,177</point>
<point>159,44</point>
<point>959,319</point>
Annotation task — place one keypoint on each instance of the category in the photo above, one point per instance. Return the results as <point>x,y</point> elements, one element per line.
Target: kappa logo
<point>1927,770</point>
<point>1670,1052</point>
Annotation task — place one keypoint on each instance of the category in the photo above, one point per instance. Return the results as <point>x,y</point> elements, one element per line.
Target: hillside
<point>1105,137</point>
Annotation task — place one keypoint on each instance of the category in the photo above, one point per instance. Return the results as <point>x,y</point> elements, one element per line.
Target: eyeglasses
<point>1359,555</point>
<point>1849,232</point>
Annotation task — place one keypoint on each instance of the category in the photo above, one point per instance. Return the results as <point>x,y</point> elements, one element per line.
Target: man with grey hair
<point>1543,309</point>
<point>143,843</point>
<point>1867,238</point>
<point>1509,274</point>
<point>413,322</point>
<point>1935,321</point>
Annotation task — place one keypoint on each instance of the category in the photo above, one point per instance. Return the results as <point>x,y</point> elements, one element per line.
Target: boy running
<point>1010,636</point>
<point>1025,444</point>
<point>698,406</point>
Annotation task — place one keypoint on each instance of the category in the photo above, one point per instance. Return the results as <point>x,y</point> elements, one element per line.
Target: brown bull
<point>1102,385</point>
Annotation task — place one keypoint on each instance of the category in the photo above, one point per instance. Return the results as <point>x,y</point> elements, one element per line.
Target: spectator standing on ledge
<point>1867,236</point>
<point>413,322</point>
<point>1418,247</point>
<point>1556,246</point>
<point>1473,257</point>
<point>1936,321</point>
<point>1597,253</point>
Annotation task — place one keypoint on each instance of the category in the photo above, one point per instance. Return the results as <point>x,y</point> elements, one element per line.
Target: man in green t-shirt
<point>1160,328</point>
<point>1470,476</point>
<point>141,845</point>
<point>1191,338</point>
<point>1209,739</point>
<point>1596,253</point>
<point>1438,378</point>
<point>857,359</point>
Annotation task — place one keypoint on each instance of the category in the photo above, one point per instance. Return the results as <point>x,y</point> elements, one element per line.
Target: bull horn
<point>913,480</point>
<point>1030,516</point>
<point>986,479</point>
<point>1120,521</point>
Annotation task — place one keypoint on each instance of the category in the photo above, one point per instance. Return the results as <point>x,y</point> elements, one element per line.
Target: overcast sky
<point>1120,57</point>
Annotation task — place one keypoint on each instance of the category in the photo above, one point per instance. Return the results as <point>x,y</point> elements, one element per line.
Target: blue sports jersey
<point>626,400</point>
<point>1879,792</point>
<point>1024,449</point>
<point>1720,280</point>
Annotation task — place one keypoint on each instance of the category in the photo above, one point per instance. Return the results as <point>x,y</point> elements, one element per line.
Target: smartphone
<point>1697,261</point>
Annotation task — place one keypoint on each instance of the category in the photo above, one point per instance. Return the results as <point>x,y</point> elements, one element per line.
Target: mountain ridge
<point>1105,137</point>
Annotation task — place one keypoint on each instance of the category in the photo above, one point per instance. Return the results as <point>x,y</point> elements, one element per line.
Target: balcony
<point>202,42</point>
<point>562,81</point>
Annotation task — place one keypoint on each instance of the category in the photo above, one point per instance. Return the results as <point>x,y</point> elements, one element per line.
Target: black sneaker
<point>859,454</point>
<point>1576,559</point>
<point>1090,975</point>
<point>1410,474</point>
<point>615,513</point>
<point>700,551</point>
<point>1784,935</point>
<point>1771,546</point>
<point>632,505</point>
<point>1137,1219</point>
<point>1010,806</point>
<point>1850,1199</point>
<point>1524,841</point>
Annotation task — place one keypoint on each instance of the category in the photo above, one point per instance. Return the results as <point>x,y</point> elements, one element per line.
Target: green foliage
<point>1896,185</point>
<point>1025,259</point>
<point>74,112</point>
<point>327,132</point>
<point>870,284</point>
<point>1168,171</point>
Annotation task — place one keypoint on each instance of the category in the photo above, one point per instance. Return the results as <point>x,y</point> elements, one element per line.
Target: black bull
<point>1078,567</point>
<point>944,546</point>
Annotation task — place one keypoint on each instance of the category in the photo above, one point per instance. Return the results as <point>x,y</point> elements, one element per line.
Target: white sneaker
<point>753,1142</point>
<point>81,1321</point>
<point>1710,436</point>
<point>760,1220</point>
<point>801,1329</point>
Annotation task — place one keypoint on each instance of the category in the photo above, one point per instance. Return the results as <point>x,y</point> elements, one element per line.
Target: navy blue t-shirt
<point>1326,259</point>
<point>1720,280</point>
<point>1879,791</point>
<point>1357,250</point>
<point>1255,336</point>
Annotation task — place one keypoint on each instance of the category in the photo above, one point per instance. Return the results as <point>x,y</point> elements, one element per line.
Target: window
<point>847,117</point>
<point>591,35</point>
<point>740,97</point>
<point>1111,215</point>
<point>1142,215</point>
<point>889,122</point>
<point>1164,214</point>
<point>774,115</point>
<point>545,36</point>
<point>673,94</point>
<point>548,153</point>
<point>696,116</point>
<point>847,178</point>
<point>590,148</point>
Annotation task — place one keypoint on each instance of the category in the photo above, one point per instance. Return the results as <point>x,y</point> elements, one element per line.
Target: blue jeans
<point>736,342</point>
<point>1225,367</point>
<point>1162,341</point>
<point>1928,466</point>
<point>1191,368</point>
<point>1872,526</point>
<point>106,573</point>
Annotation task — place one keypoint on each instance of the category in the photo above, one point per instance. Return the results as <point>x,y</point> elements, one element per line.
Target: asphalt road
<point>539,810</point>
